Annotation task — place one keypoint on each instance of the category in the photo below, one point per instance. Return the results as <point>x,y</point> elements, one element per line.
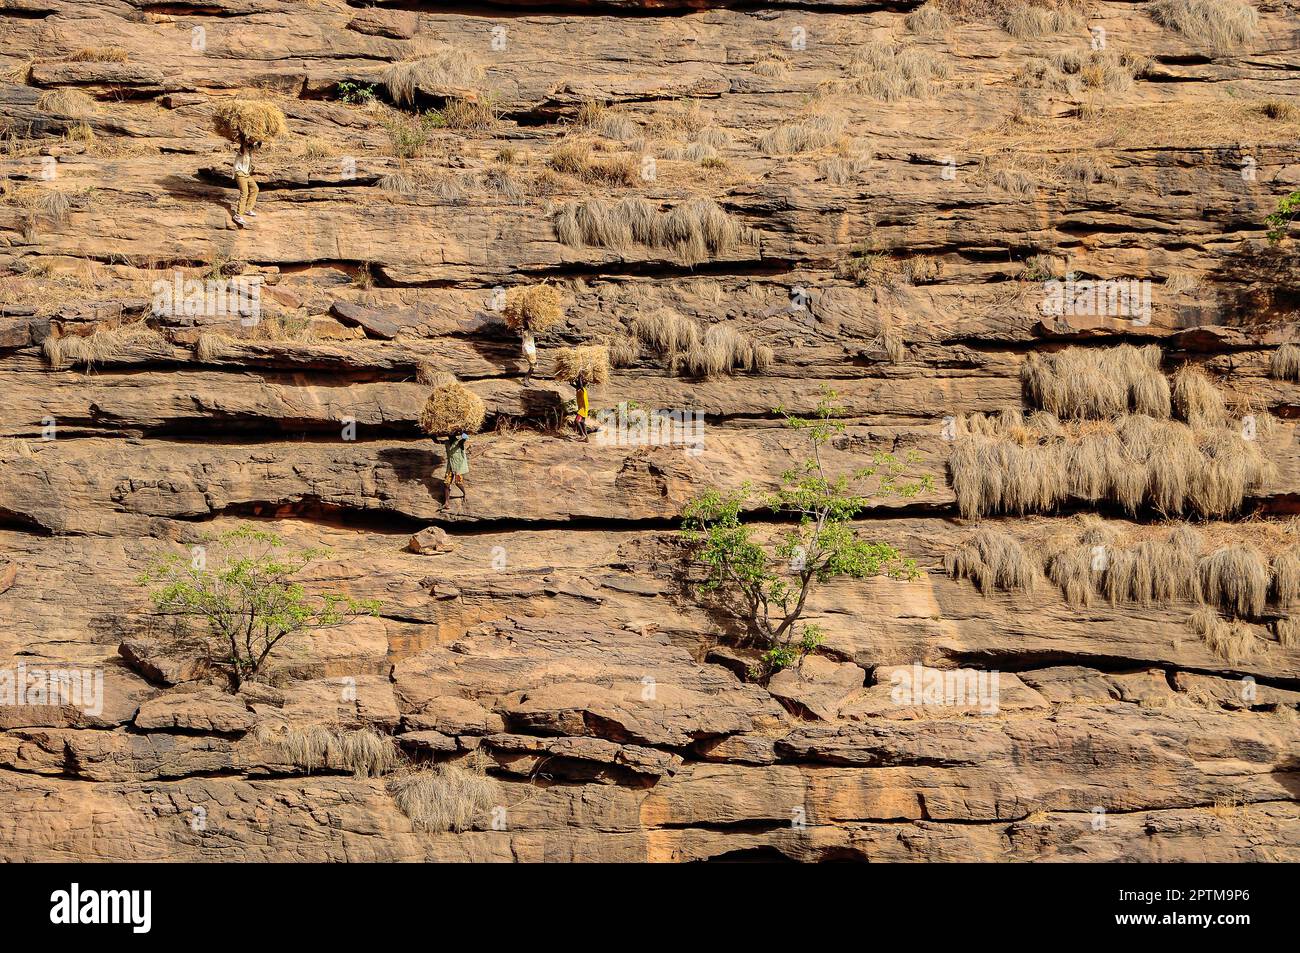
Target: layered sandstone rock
<point>546,624</point>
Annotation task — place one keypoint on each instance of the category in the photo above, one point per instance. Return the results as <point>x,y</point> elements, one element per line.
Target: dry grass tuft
<point>452,407</point>
<point>575,159</point>
<point>1235,578</point>
<point>1287,631</point>
<point>1029,21</point>
<point>446,67</point>
<point>1197,399</point>
<point>362,752</point>
<point>248,120</point>
<point>99,54</point>
<point>67,102</point>
<point>992,559</point>
<point>891,73</point>
<point>1285,363</point>
<point>469,115</point>
<point>1094,383</point>
<point>607,122</point>
<point>445,797</point>
<point>535,308</point>
<point>1008,465</point>
<point>592,361</point>
<point>1232,641</point>
<point>1216,25</point>
<point>771,65</point>
<point>929,19</point>
<point>105,345</point>
<point>815,132</point>
<point>694,229</point>
<point>1286,578</point>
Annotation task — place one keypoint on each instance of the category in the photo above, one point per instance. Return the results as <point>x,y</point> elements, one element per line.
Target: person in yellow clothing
<point>584,405</point>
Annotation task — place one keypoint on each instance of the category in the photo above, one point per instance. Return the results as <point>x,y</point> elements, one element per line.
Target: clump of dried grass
<point>1197,399</point>
<point>993,559</point>
<point>1232,640</point>
<point>591,361</point>
<point>451,408</point>
<point>1284,365</point>
<point>469,115</point>
<point>890,73</point>
<point>1027,21</point>
<point>445,797</point>
<point>1009,465</point>
<point>1235,579</point>
<point>1287,631</point>
<point>1095,383</point>
<point>534,308</point>
<point>99,54</point>
<point>815,132</point>
<point>1286,578</point>
<point>771,65</point>
<point>607,122</point>
<point>443,68</point>
<point>929,19</point>
<point>575,159</point>
<point>67,102</point>
<point>1216,25</point>
<point>105,345</point>
<point>694,229</point>
<point>362,752</point>
<point>248,120</point>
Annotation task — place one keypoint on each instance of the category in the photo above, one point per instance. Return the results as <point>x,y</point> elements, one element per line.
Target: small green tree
<point>241,586</point>
<point>1288,207</point>
<point>766,585</point>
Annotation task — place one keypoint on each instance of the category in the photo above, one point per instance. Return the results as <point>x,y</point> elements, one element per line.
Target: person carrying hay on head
<point>457,465</point>
<point>583,366</point>
<point>450,415</point>
<point>531,311</point>
<point>248,123</point>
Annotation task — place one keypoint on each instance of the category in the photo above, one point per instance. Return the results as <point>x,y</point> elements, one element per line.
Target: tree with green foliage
<point>240,585</point>
<point>766,584</point>
<point>1288,207</point>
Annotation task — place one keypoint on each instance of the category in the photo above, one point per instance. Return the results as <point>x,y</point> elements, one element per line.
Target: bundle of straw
<point>535,308</point>
<point>591,361</point>
<point>248,120</point>
<point>451,408</point>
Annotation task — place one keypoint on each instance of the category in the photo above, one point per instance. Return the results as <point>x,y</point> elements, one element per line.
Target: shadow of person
<point>423,464</point>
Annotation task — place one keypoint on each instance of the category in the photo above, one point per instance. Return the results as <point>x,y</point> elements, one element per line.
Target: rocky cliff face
<point>860,195</point>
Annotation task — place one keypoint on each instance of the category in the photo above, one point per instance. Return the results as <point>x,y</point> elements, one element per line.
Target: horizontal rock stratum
<point>866,198</point>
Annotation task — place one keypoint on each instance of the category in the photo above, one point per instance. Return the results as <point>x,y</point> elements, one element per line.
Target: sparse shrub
<point>575,159</point>
<point>842,170</point>
<point>246,596</point>
<point>104,345</point>
<point>1029,21</point>
<point>765,587</point>
<point>1279,109</point>
<point>869,268</point>
<point>610,123</point>
<point>694,229</point>
<point>993,559</point>
<point>771,65</point>
<point>469,115</point>
<point>409,136</point>
<point>1215,25</point>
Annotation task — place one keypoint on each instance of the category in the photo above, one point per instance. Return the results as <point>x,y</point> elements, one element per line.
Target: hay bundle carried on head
<point>248,120</point>
<point>535,308</point>
<point>592,361</point>
<point>451,408</point>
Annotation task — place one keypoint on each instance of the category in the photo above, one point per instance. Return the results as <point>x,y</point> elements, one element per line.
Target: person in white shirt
<point>530,355</point>
<point>247,185</point>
